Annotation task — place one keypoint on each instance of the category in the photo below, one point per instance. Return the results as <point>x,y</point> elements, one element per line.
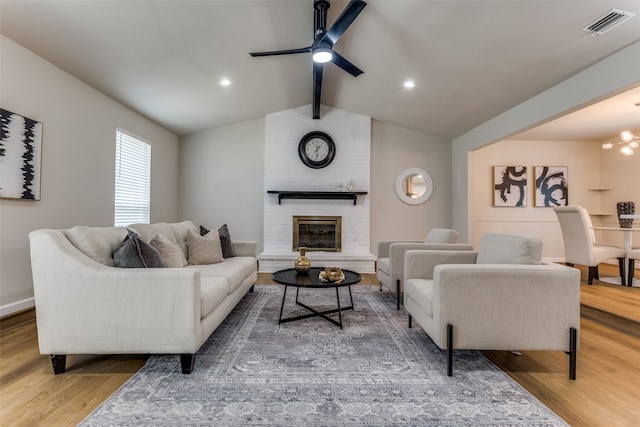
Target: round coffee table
<point>311,280</point>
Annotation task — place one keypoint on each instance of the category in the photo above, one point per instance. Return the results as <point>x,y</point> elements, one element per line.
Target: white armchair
<point>390,253</point>
<point>580,245</point>
<point>499,298</point>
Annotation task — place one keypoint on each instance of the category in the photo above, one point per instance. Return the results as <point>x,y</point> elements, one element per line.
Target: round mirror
<point>414,186</point>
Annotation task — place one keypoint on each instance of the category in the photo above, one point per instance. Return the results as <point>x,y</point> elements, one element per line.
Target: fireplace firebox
<point>317,233</point>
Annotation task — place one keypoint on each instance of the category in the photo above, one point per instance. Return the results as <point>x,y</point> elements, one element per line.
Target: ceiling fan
<point>322,46</point>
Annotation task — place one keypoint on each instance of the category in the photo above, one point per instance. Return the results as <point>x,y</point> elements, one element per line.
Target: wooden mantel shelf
<point>323,195</point>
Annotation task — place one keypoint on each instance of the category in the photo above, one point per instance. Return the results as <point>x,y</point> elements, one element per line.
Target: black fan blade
<point>343,63</point>
<point>348,15</point>
<point>317,88</point>
<point>282,52</point>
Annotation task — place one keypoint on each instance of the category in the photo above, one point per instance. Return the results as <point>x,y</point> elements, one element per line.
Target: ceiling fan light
<point>634,144</point>
<point>322,55</point>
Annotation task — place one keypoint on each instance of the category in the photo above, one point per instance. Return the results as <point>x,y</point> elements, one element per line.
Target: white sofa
<point>502,297</point>
<point>86,305</point>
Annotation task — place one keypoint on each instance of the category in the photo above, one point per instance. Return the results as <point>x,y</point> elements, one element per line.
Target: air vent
<point>608,21</point>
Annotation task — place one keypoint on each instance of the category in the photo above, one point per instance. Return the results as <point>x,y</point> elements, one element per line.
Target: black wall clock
<point>316,149</point>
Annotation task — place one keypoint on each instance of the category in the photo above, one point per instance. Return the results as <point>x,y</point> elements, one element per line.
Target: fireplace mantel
<point>324,195</point>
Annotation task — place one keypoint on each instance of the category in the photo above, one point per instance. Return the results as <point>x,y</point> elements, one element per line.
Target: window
<point>133,172</point>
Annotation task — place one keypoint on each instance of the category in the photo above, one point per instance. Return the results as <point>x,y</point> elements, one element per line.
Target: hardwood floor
<point>606,392</point>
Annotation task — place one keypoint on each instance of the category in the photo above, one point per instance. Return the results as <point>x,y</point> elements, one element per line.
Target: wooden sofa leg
<point>623,277</point>
<point>449,350</point>
<point>410,322</point>
<point>59,363</point>
<point>573,350</point>
<point>253,287</point>
<point>398,292</point>
<point>631,271</point>
<point>187,361</point>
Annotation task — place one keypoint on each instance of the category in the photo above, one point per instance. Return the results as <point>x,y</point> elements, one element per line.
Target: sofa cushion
<point>498,248</point>
<point>136,253</point>
<point>225,240</point>
<point>171,253</point>
<point>98,243</point>
<point>442,235</point>
<point>421,292</point>
<point>213,290</point>
<point>204,249</point>
<point>235,270</point>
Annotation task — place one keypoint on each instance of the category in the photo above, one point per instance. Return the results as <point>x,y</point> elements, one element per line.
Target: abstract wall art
<point>510,186</point>
<point>551,186</point>
<point>20,155</point>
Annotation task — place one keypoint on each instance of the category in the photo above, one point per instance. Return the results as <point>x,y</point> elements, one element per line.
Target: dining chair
<point>580,245</point>
<point>633,254</point>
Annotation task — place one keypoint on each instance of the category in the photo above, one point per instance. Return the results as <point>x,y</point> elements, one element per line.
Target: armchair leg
<point>187,361</point>
<point>252,288</point>
<point>59,363</point>
<point>631,271</point>
<point>449,350</point>
<point>573,350</point>
<point>622,275</point>
<point>398,292</point>
<point>410,322</point>
<point>593,273</point>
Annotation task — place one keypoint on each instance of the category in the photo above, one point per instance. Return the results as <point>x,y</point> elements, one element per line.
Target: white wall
<point>588,167</point>
<point>582,160</point>
<point>614,74</point>
<point>222,180</point>
<point>284,170</point>
<point>395,149</point>
<point>78,162</point>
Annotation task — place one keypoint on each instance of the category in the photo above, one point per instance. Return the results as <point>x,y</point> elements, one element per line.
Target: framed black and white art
<point>20,156</point>
<point>510,186</point>
<point>551,186</point>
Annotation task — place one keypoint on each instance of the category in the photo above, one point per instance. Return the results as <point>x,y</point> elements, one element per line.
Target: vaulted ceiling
<point>470,60</point>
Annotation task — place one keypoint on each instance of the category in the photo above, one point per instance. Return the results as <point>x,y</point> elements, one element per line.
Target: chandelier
<point>628,141</point>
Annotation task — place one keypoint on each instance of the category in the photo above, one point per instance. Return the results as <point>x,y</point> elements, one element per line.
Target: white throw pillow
<point>204,249</point>
<point>171,253</point>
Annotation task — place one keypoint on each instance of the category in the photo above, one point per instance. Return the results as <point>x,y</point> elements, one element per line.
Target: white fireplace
<point>284,171</point>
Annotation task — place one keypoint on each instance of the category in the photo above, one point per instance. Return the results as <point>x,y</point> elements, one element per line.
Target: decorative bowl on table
<point>332,275</point>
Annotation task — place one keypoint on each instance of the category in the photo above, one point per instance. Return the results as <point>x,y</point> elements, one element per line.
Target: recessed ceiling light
<point>225,82</point>
<point>409,84</point>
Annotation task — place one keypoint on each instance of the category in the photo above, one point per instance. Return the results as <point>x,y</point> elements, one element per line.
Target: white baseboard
<point>14,307</point>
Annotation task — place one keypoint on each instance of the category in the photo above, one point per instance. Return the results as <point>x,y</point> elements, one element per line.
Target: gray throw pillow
<point>136,253</point>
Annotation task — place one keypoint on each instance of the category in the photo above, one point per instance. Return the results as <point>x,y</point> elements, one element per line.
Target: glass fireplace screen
<point>320,233</point>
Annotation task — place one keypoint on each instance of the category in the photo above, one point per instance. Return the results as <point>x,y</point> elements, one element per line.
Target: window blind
<point>132,180</point>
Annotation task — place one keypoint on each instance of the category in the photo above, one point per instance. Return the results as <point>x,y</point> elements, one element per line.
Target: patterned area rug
<point>374,372</point>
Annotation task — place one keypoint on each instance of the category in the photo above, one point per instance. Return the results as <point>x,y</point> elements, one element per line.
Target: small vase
<point>628,208</point>
<point>303,264</point>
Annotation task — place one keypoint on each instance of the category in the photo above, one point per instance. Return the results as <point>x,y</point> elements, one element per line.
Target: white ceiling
<point>470,60</point>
